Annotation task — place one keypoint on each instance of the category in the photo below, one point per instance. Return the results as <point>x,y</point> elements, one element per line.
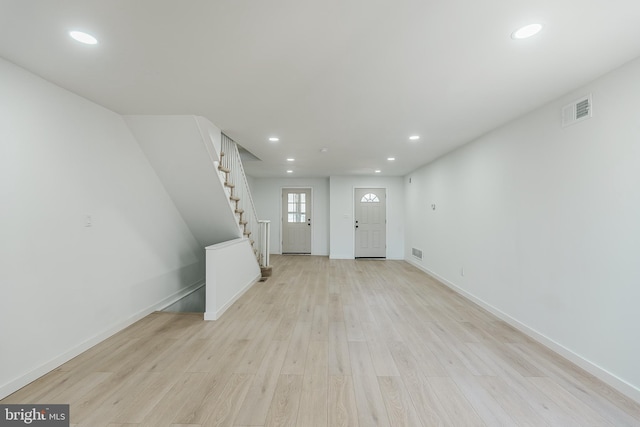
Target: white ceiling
<point>357,77</point>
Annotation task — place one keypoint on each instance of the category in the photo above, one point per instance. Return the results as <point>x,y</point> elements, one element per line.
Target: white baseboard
<point>215,315</point>
<point>17,383</point>
<point>607,377</point>
<point>331,256</point>
<point>186,292</point>
<point>182,293</point>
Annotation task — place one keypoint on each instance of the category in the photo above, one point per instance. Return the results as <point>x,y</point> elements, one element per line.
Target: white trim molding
<point>17,383</point>
<point>600,373</point>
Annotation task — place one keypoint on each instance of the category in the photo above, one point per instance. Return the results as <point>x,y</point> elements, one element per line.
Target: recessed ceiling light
<point>291,159</point>
<point>526,31</point>
<point>83,37</point>
<point>289,171</point>
<point>391,158</point>
<point>414,137</point>
<point>377,171</point>
<point>324,150</point>
<point>274,139</point>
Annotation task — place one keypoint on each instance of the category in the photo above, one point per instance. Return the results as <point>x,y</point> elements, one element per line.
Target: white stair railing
<point>241,201</point>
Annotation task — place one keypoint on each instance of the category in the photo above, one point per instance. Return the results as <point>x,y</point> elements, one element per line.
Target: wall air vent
<point>416,253</point>
<point>577,111</point>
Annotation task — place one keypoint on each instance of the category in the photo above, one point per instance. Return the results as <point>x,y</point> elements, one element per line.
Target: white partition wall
<point>231,270</point>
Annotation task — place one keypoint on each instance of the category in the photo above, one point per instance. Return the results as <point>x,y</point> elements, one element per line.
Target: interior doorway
<point>296,221</point>
<point>370,223</point>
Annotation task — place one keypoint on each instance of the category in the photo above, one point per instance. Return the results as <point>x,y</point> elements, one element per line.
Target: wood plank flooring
<point>330,343</point>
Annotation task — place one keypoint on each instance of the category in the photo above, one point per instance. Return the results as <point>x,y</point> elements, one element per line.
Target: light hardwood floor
<point>330,343</point>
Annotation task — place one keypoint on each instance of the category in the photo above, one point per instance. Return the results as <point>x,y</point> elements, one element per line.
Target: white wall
<point>267,196</point>
<point>342,235</point>
<point>231,270</point>
<point>184,152</point>
<point>545,222</point>
<point>65,286</point>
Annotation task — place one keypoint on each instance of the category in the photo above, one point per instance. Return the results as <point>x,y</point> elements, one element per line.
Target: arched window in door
<point>370,198</point>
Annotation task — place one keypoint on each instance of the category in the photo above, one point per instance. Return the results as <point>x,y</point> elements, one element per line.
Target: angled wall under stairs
<point>185,153</point>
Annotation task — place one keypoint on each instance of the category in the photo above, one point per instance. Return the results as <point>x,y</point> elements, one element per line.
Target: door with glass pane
<point>370,223</point>
<point>296,220</point>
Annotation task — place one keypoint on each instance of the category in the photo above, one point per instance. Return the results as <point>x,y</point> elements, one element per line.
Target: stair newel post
<point>265,236</point>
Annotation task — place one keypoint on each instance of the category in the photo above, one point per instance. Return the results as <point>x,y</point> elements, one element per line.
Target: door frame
<point>313,208</point>
<point>386,215</point>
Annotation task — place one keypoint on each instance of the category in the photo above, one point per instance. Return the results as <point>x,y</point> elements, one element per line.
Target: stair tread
<point>235,198</point>
<point>228,184</point>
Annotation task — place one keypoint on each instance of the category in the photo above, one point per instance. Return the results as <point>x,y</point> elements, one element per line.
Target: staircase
<point>201,170</point>
<point>237,188</point>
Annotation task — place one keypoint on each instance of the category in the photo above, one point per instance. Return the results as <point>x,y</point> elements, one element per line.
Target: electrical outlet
<point>87,221</point>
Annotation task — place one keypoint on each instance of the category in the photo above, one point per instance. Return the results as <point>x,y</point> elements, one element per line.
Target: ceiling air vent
<point>577,111</point>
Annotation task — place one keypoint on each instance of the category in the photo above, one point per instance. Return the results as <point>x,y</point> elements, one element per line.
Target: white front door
<point>371,223</point>
<point>296,220</point>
